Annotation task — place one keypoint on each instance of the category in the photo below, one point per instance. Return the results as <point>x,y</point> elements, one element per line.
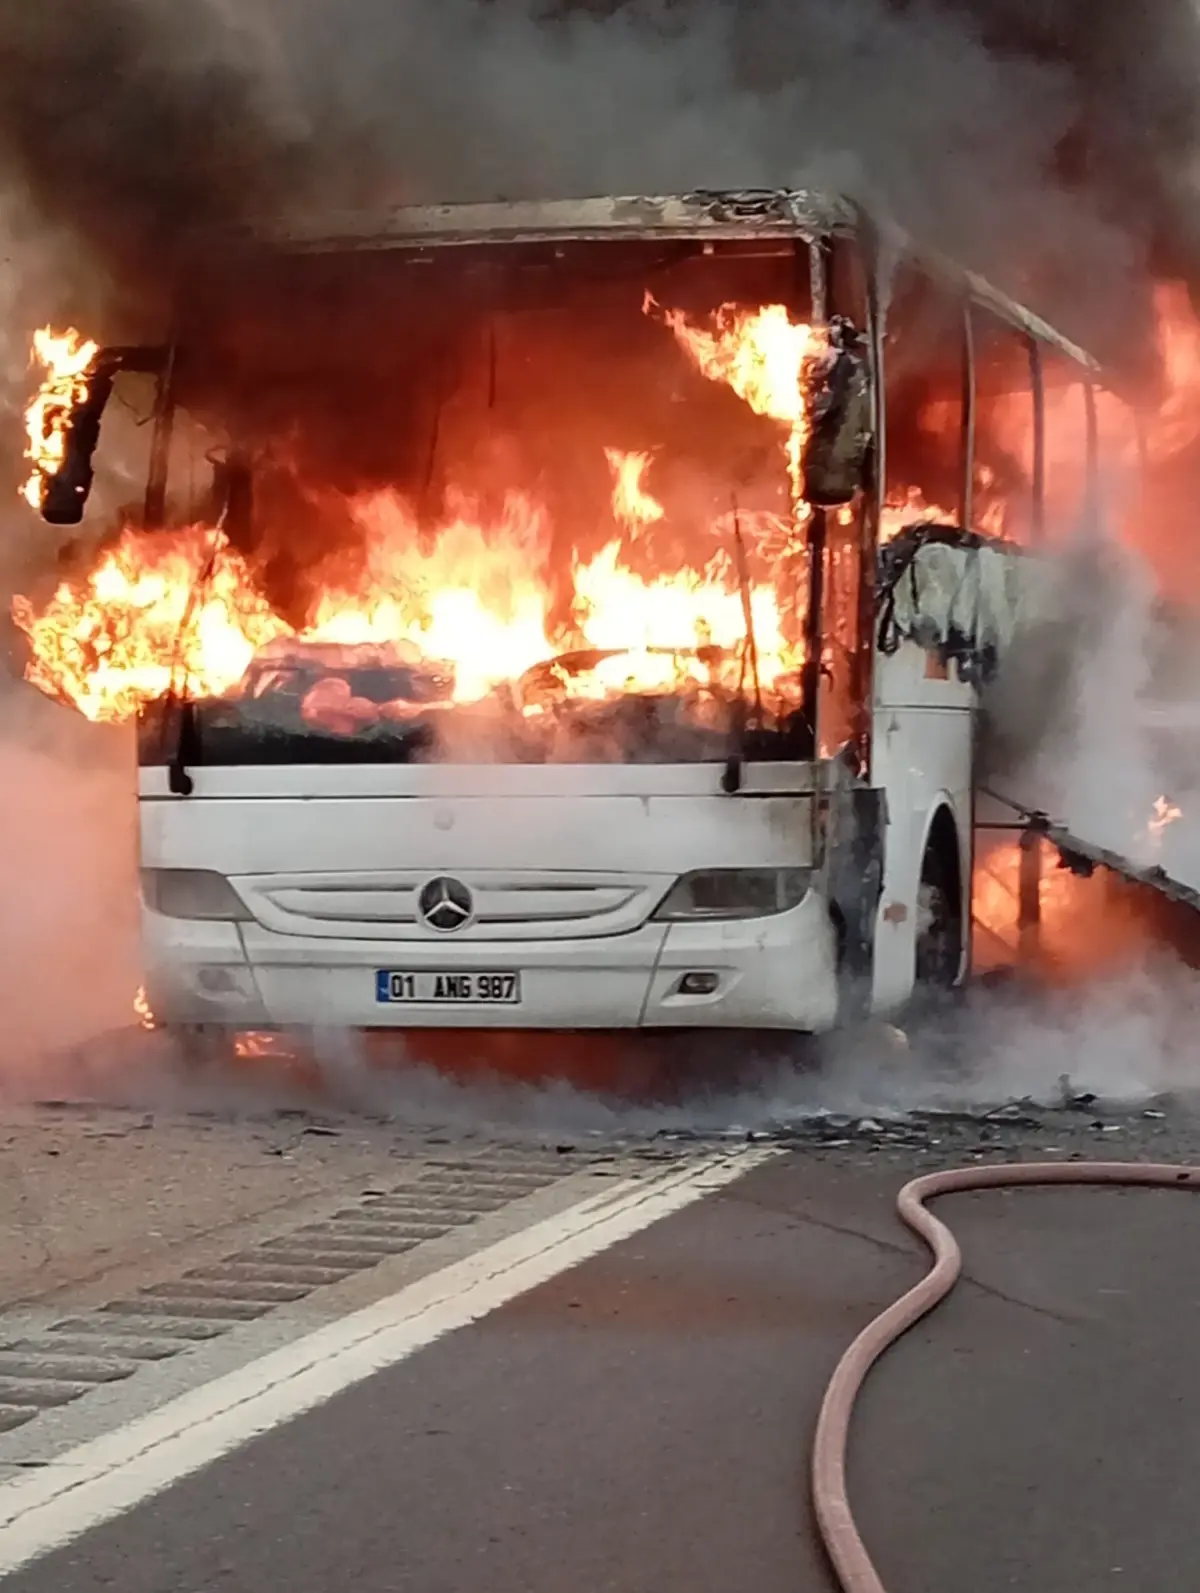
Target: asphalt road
<point>642,1422</point>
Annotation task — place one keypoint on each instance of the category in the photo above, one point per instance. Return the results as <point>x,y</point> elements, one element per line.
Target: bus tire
<point>941,932</point>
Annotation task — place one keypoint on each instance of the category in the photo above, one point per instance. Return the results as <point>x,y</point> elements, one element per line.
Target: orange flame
<point>1177,423</point>
<point>473,597</point>
<point>1165,813</point>
<point>142,1010</point>
<point>909,508</point>
<point>67,359</point>
<point>109,643</point>
<point>1073,931</point>
<point>252,1045</point>
<point>763,356</point>
<point>1088,925</point>
<point>632,505</point>
<point>181,608</point>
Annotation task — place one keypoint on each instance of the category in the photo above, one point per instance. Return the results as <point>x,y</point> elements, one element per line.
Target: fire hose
<point>853,1568</point>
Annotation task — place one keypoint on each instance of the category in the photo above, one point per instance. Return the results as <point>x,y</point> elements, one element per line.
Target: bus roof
<point>783,214</point>
<point>704,214</point>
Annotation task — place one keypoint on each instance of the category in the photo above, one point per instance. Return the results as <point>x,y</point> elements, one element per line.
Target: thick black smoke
<point>1133,140</point>
<point>1050,141</point>
<point>127,124</point>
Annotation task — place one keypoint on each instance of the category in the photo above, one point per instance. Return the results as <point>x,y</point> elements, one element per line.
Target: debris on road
<point>1020,1127</point>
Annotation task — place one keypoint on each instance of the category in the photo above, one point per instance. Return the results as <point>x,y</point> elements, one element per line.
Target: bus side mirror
<point>835,458</point>
<point>64,492</point>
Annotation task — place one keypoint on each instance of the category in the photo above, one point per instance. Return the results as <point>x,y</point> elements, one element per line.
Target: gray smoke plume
<point>1134,131</point>
<point>899,104</point>
<point>1049,143</point>
<point>127,124</point>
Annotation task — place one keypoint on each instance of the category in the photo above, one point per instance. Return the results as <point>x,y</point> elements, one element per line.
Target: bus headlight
<point>712,893</point>
<point>192,893</point>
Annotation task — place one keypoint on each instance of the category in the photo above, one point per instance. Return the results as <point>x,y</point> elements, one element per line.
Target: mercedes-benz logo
<point>445,904</point>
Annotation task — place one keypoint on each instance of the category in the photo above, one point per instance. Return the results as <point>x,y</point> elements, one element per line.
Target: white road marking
<point>102,1479</point>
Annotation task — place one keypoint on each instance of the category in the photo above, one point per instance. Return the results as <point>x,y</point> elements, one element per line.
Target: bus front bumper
<point>777,972</point>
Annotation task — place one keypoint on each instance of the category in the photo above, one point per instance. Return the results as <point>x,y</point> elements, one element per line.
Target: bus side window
<point>923,358</point>
<point>1067,496</point>
<point>1003,468</point>
<point>1120,473</point>
<point>1075,505</point>
<point>848,280</point>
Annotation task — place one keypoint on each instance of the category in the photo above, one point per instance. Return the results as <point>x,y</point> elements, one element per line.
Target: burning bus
<point>565,615</point>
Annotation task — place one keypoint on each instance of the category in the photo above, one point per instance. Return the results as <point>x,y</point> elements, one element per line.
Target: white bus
<point>569,818</point>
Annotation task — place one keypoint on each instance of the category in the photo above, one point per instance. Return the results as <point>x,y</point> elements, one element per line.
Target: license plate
<point>447,989</point>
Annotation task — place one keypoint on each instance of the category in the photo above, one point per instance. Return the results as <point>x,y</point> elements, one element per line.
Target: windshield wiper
<point>186,745</point>
<point>731,779</point>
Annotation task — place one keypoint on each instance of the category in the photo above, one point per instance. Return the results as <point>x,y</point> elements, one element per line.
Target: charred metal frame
<point>967,515</point>
<point>817,539</point>
<point>1029,894</point>
<point>1037,389</point>
<point>1080,858</point>
<point>967,491</point>
<point>818,280</point>
<point>856,814</point>
<point>872,256</point>
<point>1092,509</point>
<point>1032,827</point>
<point>154,505</point>
<point>858,827</point>
<point>1037,524</point>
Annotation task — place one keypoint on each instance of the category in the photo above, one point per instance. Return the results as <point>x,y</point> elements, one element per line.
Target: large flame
<point>110,642</point>
<point>181,609</point>
<point>66,359</point>
<point>473,596</point>
<point>764,356</point>
<point>164,609</point>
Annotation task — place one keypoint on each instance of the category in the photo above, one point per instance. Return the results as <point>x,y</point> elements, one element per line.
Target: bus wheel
<point>939,915</point>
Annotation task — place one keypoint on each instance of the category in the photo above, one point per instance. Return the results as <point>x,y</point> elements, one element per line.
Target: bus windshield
<point>301,699</point>
<point>324,703</point>
<point>511,503</point>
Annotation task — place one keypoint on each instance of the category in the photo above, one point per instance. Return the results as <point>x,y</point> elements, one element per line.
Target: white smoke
<point>69,965</point>
<point>1123,1040</point>
<point>1094,712</point>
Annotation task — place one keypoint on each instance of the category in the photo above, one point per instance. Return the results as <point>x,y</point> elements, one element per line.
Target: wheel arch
<point>945,841</point>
